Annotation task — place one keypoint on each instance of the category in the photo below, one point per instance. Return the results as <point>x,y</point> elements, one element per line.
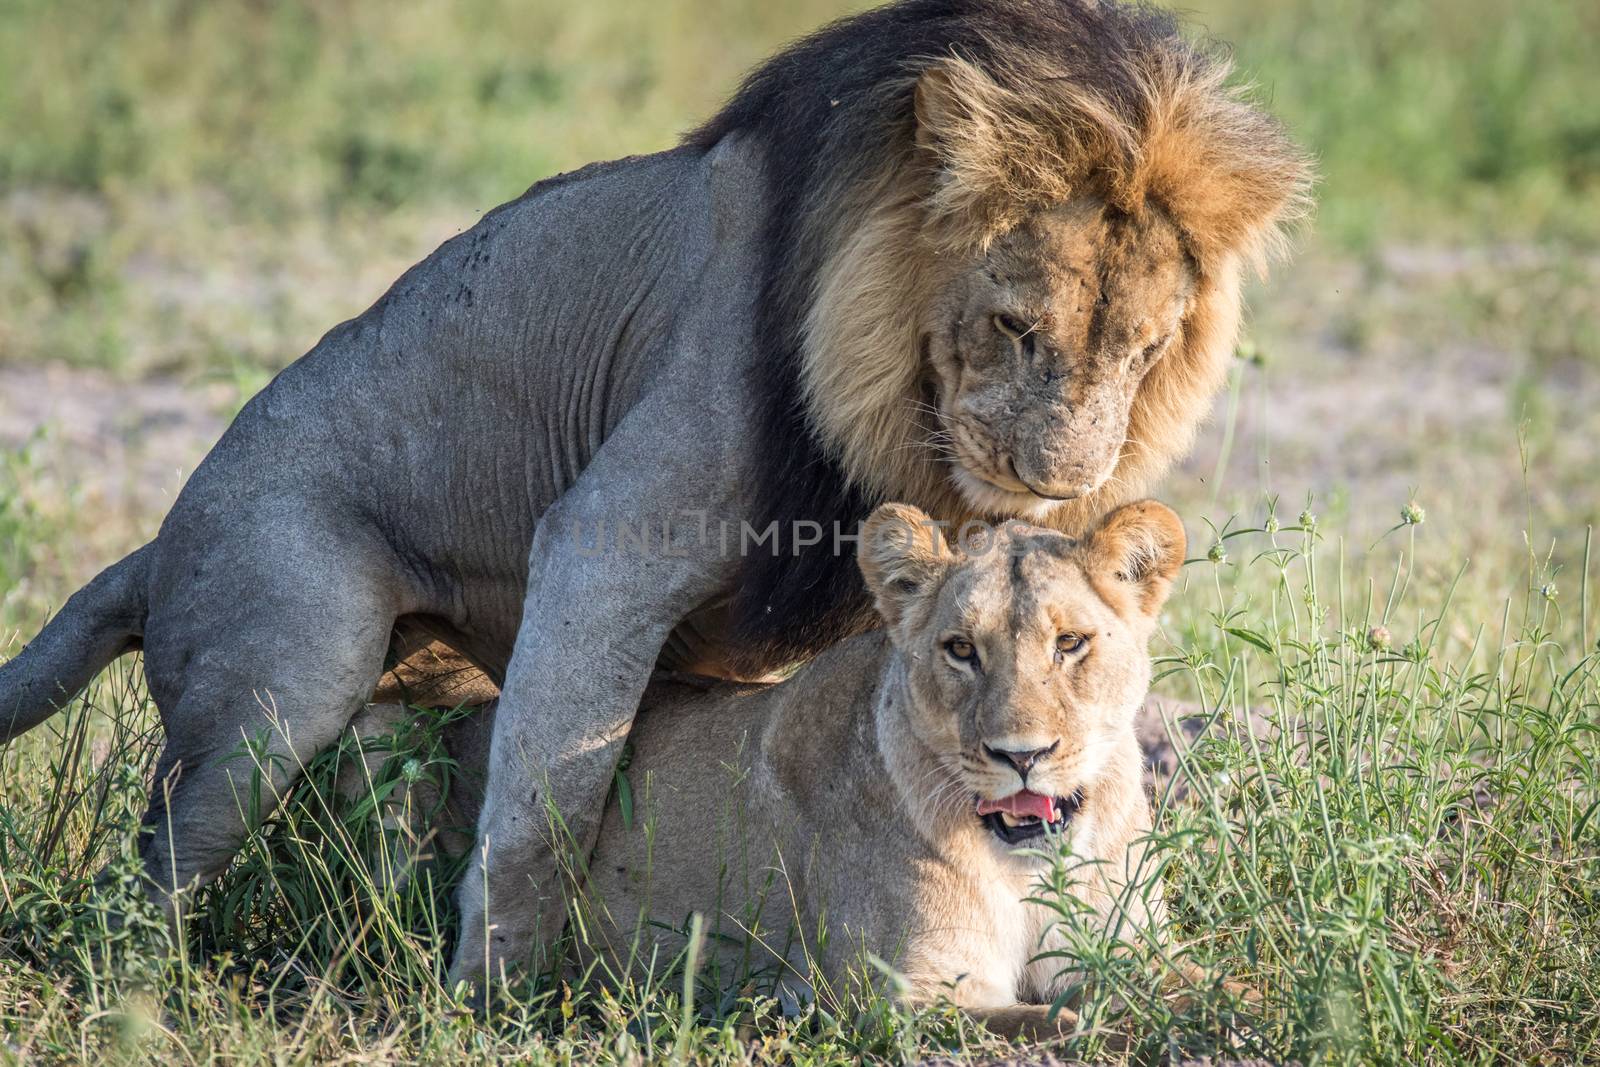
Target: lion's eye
<point>1071,644</point>
<point>1153,348</point>
<point>959,648</point>
<point>1010,326</point>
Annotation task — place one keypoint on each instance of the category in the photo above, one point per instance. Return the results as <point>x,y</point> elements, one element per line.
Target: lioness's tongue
<point>1020,804</point>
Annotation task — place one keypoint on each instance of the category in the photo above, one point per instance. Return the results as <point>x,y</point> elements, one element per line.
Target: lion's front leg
<point>615,565</point>
<point>551,761</point>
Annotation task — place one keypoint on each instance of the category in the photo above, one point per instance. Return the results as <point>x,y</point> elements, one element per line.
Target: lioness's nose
<point>1021,761</point>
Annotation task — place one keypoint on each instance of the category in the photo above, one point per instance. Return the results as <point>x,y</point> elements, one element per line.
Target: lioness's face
<point>1027,662</point>
<point>1037,348</point>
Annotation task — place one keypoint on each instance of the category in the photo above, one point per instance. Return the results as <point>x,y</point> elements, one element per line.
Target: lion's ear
<point>940,108</point>
<point>1139,548</point>
<point>903,557</point>
<point>1229,175</point>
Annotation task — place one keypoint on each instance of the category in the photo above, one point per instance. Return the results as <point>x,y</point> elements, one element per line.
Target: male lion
<point>979,255</point>
<point>899,792</point>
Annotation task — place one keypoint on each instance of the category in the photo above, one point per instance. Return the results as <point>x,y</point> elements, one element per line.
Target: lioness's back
<point>679,815</point>
<point>726,787</point>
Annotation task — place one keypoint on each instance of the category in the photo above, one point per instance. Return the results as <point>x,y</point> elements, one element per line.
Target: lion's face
<point>1037,347</point>
<point>1026,662</point>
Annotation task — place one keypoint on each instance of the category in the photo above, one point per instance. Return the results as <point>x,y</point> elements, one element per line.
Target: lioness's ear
<point>903,557</point>
<point>1139,547</point>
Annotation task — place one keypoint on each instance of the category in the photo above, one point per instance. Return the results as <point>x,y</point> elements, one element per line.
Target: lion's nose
<point>1021,761</point>
<point>1038,487</point>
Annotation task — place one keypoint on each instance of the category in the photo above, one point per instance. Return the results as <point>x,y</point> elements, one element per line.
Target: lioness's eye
<point>1009,326</point>
<point>1067,644</point>
<point>961,649</point>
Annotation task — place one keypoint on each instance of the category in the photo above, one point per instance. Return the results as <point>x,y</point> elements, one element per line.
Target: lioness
<point>892,790</point>
<point>983,256</point>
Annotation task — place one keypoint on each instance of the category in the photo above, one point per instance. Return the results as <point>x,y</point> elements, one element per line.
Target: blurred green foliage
<point>278,103</point>
<point>1429,115</point>
<point>1425,113</point>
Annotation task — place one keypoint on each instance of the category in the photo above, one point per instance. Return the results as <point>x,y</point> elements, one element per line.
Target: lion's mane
<point>1054,99</point>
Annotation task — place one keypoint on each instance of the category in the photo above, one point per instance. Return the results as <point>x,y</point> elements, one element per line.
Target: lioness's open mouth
<point>1025,815</point>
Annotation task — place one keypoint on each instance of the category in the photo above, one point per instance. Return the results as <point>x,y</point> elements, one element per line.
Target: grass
<point>34,512</point>
<point>1392,830</point>
<point>1393,836</point>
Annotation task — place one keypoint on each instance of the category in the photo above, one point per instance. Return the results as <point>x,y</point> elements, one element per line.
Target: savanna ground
<point>1389,517</point>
